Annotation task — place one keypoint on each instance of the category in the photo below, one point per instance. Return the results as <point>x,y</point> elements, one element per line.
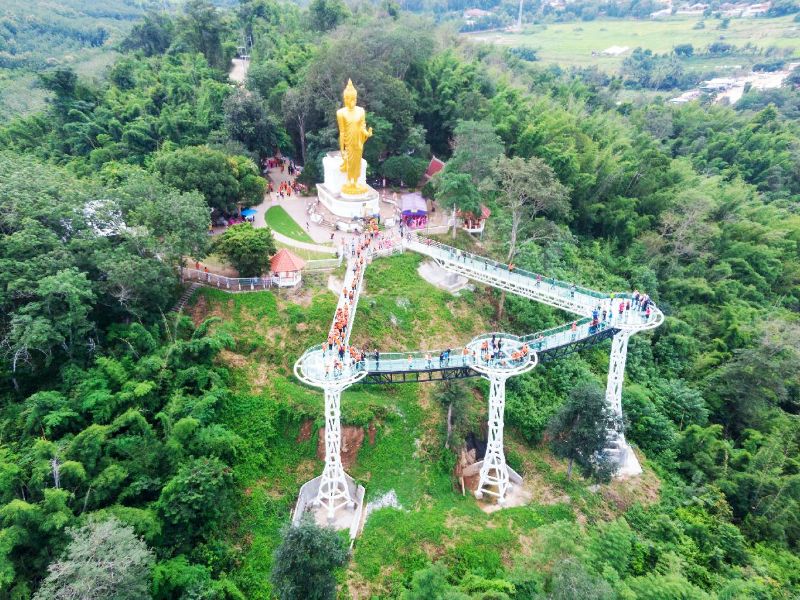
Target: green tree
<point>202,29</point>
<point>570,580</point>
<point>455,396</point>
<point>223,180</point>
<point>682,403</point>
<point>303,564</point>
<point>176,223</point>
<point>297,108</point>
<point>194,500</point>
<point>58,316</point>
<point>248,248</point>
<point>104,561</point>
<point>152,36</point>
<point>457,189</point>
<point>527,189</point>
<point>583,430</point>
<point>327,14</point>
<point>666,587</point>
<point>404,168</point>
<point>476,146</point>
<point>247,121</point>
<point>430,583</point>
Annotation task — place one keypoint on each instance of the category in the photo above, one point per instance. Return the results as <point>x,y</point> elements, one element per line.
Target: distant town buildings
<point>718,84</point>
<point>728,9</point>
<point>614,50</point>
<point>471,15</point>
<point>731,89</point>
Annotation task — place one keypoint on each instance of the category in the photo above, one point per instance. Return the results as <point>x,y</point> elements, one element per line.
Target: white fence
<point>325,264</point>
<point>234,284</point>
<point>252,284</point>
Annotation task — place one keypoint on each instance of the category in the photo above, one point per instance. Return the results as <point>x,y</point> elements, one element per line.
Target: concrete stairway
<point>187,293</point>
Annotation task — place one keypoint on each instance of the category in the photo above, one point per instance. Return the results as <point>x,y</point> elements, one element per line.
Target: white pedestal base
<point>628,463</point>
<point>354,207</point>
<point>350,206</point>
<point>345,517</point>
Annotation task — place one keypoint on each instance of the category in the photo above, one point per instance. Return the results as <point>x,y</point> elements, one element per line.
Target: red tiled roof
<point>284,261</point>
<point>485,213</point>
<point>434,167</point>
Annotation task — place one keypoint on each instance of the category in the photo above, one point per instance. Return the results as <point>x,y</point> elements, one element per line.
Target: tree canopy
<point>305,561</point>
<point>248,248</point>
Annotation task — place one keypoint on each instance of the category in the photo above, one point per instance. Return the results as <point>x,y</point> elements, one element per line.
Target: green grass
<point>282,222</point>
<point>571,44</point>
<point>304,254</point>
<point>400,311</point>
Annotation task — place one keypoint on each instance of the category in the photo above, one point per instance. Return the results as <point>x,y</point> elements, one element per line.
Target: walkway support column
<point>627,463</point>
<point>494,472</point>
<point>333,490</point>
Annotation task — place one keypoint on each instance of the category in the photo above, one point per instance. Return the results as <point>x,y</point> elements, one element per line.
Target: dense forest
<point>114,426</point>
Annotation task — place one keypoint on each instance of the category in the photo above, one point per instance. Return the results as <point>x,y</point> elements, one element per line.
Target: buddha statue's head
<point>350,95</point>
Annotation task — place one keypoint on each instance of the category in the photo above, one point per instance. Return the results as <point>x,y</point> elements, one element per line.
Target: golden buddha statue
<point>353,133</point>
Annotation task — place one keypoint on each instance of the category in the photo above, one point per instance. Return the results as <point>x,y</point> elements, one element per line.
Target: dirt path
<point>238,70</point>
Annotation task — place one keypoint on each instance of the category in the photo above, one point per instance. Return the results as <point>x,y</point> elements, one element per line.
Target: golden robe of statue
<point>353,133</point>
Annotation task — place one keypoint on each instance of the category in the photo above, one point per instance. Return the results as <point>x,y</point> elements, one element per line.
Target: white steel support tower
<point>495,477</point>
<point>494,472</point>
<point>333,490</point>
<point>626,459</point>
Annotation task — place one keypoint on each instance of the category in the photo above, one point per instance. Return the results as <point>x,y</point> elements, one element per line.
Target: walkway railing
<point>317,363</point>
<point>323,264</point>
<point>251,284</point>
<point>239,284</point>
<point>456,254</point>
<point>560,294</point>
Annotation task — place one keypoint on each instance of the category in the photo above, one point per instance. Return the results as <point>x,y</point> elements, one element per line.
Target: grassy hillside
<point>39,34</point>
<point>571,44</point>
<point>403,450</point>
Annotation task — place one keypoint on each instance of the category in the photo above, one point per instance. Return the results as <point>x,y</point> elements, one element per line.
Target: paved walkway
<point>297,206</point>
<point>304,245</point>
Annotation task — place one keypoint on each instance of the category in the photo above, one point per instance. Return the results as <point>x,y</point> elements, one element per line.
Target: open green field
<point>571,44</point>
<point>282,222</point>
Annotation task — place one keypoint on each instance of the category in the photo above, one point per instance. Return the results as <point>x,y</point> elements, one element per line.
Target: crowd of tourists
<point>286,165</point>
<point>337,355</point>
<point>285,188</point>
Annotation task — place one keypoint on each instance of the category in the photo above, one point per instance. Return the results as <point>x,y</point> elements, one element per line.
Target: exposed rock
<point>389,499</point>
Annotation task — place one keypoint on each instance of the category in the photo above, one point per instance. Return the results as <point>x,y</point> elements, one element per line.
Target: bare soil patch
<point>232,359</point>
<point>199,311</point>
<point>352,440</point>
<point>305,431</point>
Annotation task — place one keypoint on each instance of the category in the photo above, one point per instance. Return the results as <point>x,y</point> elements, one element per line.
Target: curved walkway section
<point>319,365</point>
